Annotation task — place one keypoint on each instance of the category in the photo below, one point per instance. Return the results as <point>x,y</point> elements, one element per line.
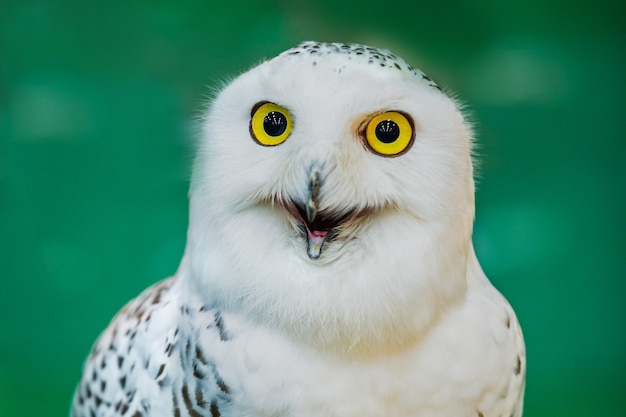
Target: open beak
<point>317,225</point>
<point>315,238</point>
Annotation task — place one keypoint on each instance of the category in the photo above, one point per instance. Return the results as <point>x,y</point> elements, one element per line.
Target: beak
<point>315,238</point>
<point>319,224</point>
<point>313,195</point>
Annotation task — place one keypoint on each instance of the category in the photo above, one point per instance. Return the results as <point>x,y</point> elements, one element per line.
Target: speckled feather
<point>359,54</point>
<point>393,317</point>
<point>151,362</point>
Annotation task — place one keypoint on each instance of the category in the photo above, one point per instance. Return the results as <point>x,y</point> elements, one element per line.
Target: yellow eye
<point>270,124</point>
<point>390,133</point>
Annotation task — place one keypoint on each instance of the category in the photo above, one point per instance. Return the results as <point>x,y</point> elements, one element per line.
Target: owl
<point>329,268</point>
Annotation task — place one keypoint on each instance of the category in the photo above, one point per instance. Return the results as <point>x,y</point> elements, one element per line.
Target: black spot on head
<point>383,57</point>
<point>518,365</point>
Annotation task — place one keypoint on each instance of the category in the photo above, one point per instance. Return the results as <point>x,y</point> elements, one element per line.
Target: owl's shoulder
<point>150,361</point>
<point>482,344</point>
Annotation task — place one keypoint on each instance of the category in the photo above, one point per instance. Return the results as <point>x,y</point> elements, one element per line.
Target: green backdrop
<point>97,104</point>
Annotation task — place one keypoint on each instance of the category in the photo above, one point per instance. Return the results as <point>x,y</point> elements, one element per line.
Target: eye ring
<point>390,133</point>
<point>270,123</point>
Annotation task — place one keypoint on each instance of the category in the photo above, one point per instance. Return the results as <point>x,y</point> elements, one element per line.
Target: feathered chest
<point>160,357</point>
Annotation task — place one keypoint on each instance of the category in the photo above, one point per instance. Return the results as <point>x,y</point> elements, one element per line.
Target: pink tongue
<point>318,233</point>
<point>315,241</point>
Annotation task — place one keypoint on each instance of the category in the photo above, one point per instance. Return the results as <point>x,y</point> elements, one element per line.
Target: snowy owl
<point>329,268</point>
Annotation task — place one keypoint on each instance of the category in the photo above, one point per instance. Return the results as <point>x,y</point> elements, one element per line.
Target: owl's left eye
<point>390,133</point>
<point>270,124</point>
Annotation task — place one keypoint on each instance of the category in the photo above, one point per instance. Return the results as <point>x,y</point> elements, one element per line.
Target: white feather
<point>395,317</point>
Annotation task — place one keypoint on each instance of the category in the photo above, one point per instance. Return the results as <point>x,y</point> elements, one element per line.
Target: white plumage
<point>329,268</point>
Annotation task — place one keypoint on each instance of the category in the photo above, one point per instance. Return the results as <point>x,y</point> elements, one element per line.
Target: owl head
<point>332,199</point>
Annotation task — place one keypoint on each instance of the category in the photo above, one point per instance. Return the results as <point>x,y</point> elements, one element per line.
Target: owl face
<point>333,196</point>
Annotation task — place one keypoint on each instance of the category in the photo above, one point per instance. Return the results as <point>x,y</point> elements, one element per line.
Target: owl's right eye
<point>270,124</point>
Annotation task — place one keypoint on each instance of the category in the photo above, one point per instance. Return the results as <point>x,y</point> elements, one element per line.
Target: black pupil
<point>274,123</point>
<point>387,131</point>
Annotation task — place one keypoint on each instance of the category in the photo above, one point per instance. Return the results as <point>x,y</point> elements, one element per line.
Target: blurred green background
<point>97,104</point>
